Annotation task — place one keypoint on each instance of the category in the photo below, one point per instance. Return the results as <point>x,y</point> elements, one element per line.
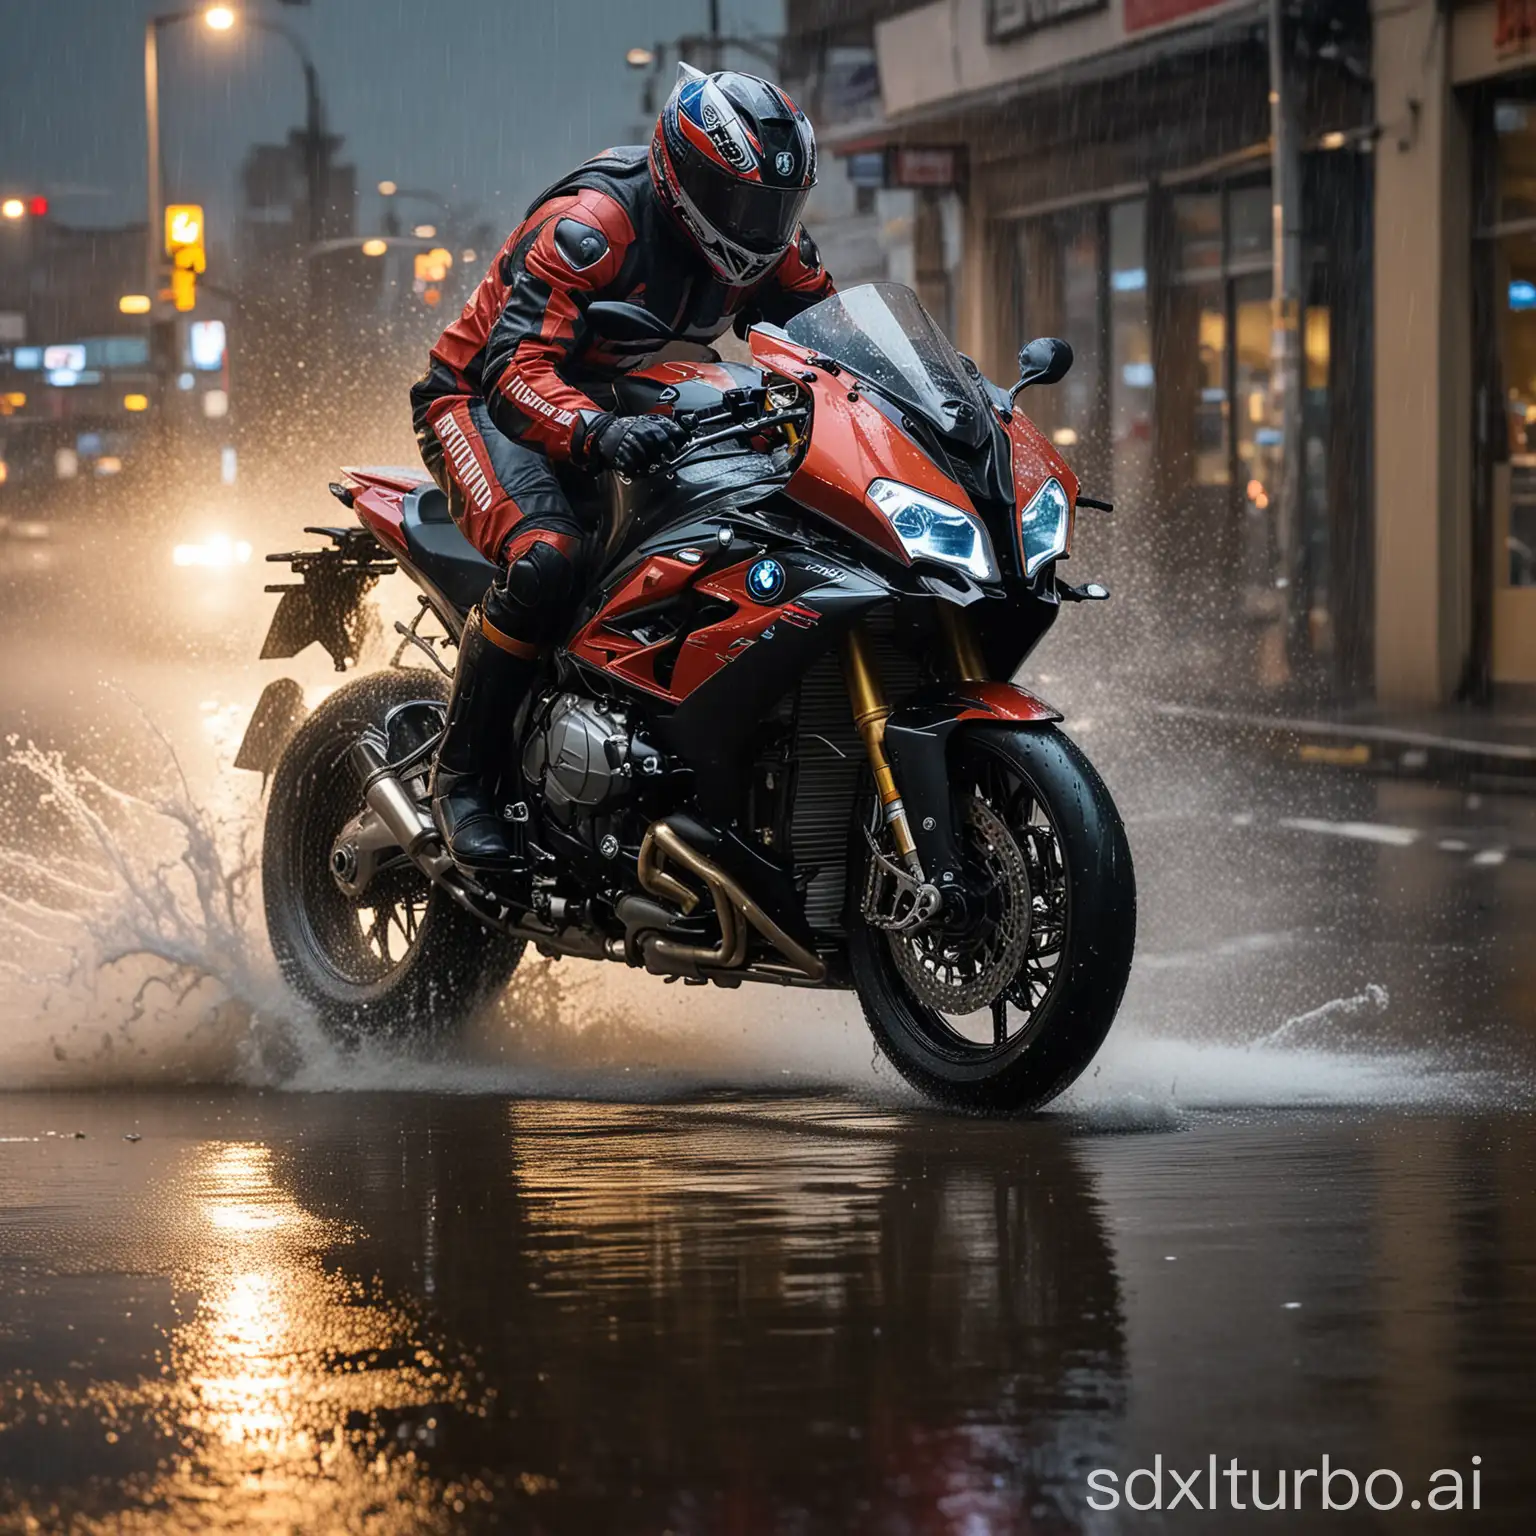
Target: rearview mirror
<point>617,321</point>
<point>1045,360</point>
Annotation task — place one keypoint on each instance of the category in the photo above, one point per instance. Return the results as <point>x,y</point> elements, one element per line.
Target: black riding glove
<point>634,445</point>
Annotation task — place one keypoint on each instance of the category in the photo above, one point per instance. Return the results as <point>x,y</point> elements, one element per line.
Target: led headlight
<point>1043,526</point>
<point>930,529</point>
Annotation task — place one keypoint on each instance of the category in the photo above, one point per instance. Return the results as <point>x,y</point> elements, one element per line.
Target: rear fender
<point>279,712</point>
<point>917,737</point>
<point>326,603</point>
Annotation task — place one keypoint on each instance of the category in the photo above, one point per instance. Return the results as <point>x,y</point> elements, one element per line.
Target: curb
<point>1462,761</point>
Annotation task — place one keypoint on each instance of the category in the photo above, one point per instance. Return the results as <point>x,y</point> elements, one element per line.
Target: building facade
<point>1115,186</point>
<point>1456,370</point>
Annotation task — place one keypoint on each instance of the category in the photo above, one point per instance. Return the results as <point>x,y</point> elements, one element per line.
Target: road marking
<point>1490,856</point>
<point>1361,831</point>
<point>1511,751</point>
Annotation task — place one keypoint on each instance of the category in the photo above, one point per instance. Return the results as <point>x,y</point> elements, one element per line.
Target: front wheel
<point>1002,1015</point>
<point>403,960</point>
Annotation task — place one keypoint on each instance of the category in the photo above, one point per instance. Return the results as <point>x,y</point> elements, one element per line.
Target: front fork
<point>870,713</point>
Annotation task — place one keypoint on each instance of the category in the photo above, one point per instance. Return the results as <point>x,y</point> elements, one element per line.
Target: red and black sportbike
<point>777,746</point>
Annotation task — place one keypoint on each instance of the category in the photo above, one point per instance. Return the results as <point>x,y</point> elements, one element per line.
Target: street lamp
<point>222,18</point>
<point>219,18</point>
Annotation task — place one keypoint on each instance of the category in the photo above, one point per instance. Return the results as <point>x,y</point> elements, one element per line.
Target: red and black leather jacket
<point>522,343</point>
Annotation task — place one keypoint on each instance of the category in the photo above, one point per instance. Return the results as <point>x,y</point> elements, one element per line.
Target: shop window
<point>1197,232</point>
<point>1514,307</point>
<point>1250,224</point>
<point>1060,273</point>
<point>1212,464</point>
<point>1130,347</point>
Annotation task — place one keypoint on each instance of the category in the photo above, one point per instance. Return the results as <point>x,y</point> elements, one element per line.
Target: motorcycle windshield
<point>882,333</point>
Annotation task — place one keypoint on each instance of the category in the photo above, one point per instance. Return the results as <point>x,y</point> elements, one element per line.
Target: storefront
<point>1503,116</point>
<point>1166,296</point>
<point>1455,382</point>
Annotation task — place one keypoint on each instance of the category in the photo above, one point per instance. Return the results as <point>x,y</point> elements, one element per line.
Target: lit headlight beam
<point>1043,527</point>
<point>930,529</point>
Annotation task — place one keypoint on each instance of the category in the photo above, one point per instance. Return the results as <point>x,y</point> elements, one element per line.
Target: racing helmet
<point>733,158</point>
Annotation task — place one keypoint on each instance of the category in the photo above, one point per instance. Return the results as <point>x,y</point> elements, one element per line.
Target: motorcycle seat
<point>447,562</point>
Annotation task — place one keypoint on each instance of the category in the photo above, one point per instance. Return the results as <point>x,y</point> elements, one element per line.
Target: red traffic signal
<point>37,206</point>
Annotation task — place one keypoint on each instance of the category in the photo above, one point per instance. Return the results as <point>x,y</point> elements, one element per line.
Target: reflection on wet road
<point>407,1312</point>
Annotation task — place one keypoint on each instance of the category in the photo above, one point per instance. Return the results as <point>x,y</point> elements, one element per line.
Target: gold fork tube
<point>870,712</point>
<point>964,651</point>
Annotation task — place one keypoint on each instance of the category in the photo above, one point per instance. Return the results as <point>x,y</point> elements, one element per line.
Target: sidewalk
<point>1473,748</point>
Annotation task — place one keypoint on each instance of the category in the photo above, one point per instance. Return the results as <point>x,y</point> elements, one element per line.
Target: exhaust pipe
<point>735,910</point>
<point>389,799</point>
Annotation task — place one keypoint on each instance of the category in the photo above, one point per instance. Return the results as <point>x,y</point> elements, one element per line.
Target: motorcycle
<point>776,746</point>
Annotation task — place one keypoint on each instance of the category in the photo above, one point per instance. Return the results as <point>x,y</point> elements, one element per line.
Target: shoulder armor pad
<point>580,244</point>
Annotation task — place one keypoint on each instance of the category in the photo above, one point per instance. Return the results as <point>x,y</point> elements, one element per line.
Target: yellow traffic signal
<point>184,288</point>
<point>184,236</point>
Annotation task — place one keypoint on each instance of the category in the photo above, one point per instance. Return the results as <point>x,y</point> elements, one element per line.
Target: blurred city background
<point>1316,445</point>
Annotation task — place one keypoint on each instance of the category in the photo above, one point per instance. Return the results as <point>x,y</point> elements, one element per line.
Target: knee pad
<point>536,592</point>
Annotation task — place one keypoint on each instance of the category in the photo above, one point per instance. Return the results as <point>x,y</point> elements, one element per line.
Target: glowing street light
<point>387,189</point>
<point>12,208</point>
<point>134,304</point>
<point>425,231</point>
<point>640,58</point>
<point>220,17</point>
<point>375,246</point>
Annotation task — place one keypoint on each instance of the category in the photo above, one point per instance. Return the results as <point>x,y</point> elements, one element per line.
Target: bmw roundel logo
<point>765,580</point>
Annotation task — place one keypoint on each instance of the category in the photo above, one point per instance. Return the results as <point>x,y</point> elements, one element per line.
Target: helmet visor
<point>759,217</point>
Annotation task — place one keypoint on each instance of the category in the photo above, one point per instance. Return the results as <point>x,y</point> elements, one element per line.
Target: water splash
<point>124,931</point>
<point>1374,997</point>
<point>130,951</point>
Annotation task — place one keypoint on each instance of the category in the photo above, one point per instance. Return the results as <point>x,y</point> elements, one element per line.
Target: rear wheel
<point>1002,1015</point>
<point>403,960</point>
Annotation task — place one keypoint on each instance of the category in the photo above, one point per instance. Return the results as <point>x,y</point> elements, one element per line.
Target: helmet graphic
<point>733,158</point>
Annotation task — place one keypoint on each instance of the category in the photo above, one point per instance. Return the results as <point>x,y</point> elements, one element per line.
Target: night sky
<point>480,101</point>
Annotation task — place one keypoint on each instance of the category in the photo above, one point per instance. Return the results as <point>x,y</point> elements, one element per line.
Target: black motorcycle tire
<point>453,963</point>
<point>1076,1013</point>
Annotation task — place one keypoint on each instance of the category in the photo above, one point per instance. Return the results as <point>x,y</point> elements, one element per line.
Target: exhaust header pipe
<point>735,910</point>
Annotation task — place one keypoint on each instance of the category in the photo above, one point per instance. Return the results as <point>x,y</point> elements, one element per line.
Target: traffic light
<point>184,288</point>
<point>184,236</point>
<point>184,245</point>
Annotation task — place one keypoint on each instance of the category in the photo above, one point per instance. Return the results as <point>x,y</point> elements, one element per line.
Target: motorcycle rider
<point>514,415</point>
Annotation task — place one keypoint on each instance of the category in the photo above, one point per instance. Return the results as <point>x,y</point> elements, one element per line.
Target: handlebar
<point>738,429</point>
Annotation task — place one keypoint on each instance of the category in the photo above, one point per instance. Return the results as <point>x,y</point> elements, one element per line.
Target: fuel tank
<point>674,387</point>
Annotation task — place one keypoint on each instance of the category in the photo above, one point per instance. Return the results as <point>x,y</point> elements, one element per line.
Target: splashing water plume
<point>131,951</point>
<point>126,941</point>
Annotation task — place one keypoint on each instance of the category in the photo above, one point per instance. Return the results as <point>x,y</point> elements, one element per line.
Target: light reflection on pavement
<point>404,1312</point>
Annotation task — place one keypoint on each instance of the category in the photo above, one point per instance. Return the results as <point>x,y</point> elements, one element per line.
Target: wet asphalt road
<point>1291,1214</point>
<point>409,1312</point>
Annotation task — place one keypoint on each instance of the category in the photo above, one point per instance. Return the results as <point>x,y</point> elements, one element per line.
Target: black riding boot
<point>488,684</point>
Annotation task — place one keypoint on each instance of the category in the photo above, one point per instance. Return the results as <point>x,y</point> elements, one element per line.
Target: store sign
<point>1140,14</point>
<point>1514,26</point>
<point>1015,18</point>
<point>916,166</point>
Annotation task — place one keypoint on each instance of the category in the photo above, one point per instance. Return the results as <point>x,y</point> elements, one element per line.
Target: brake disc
<point>959,973</point>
